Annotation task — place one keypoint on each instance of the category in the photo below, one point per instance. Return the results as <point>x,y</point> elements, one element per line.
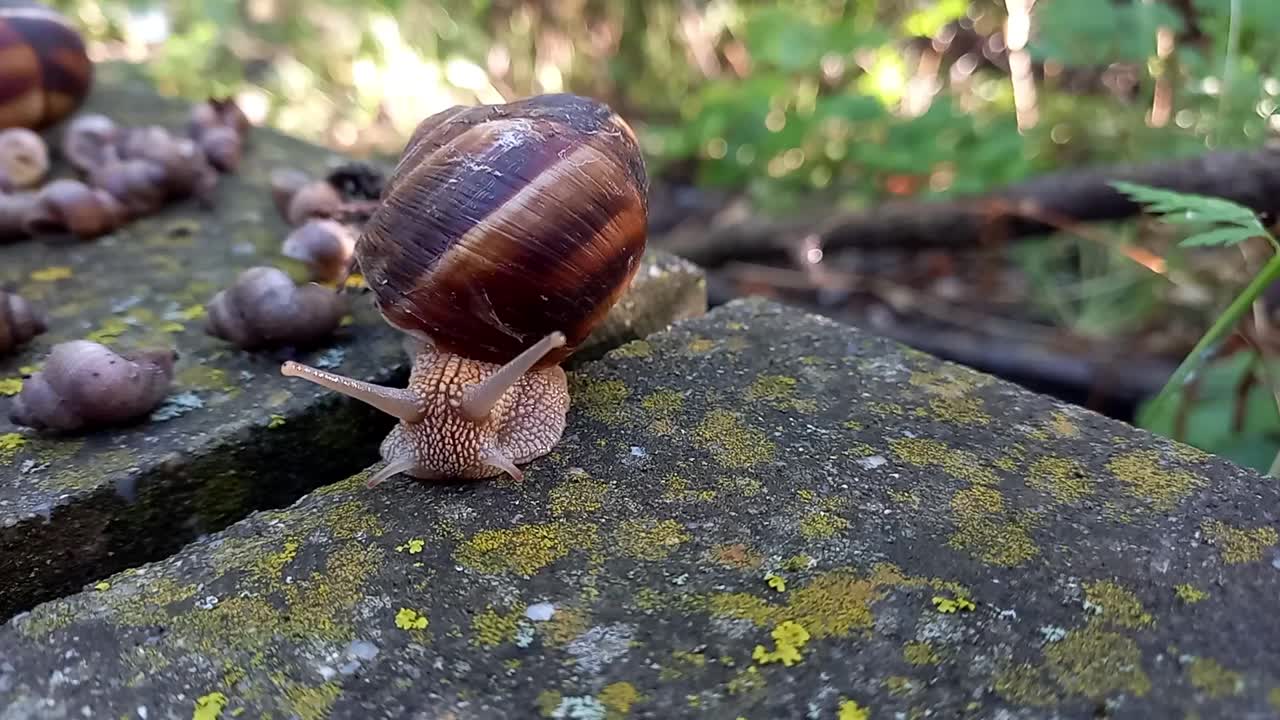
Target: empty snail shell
<point>285,183</point>
<point>219,127</point>
<point>84,384</point>
<point>89,141</point>
<point>324,245</point>
<point>222,147</point>
<point>139,185</point>
<point>19,322</point>
<point>47,72</point>
<point>24,157</point>
<point>264,308</point>
<point>67,205</point>
<point>316,199</point>
<point>15,208</point>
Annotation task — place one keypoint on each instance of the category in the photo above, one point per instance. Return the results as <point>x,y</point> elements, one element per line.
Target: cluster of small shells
<point>128,172</point>
<point>121,173</point>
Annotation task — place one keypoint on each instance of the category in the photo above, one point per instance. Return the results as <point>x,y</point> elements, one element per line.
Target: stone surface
<point>757,514</point>
<point>234,435</point>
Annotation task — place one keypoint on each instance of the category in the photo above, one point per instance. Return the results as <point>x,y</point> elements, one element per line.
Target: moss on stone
<point>617,698</point>
<point>984,529</point>
<point>1211,678</point>
<point>822,525</point>
<point>733,443</point>
<point>961,464</point>
<point>524,549</point>
<point>1095,663</point>
<point>600,399</point>
<point>1063,478</point>
<point>1144,477</point>
<point>633,349</point>
<point>491,628</point>
<point>1024,684</point>
<point>920,653</point>
<point>580,495</point>
<point>650,538</point>
<point>1239,545</point>
<point>1116,605</point>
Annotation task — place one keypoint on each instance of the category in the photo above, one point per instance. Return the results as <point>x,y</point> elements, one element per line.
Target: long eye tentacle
<point>478,400</point>
<point>392,401</point>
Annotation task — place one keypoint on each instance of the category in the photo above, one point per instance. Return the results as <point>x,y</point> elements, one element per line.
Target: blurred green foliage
<point>834,101</point>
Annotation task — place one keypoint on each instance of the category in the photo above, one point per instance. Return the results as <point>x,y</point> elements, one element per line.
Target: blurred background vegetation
<point>833,103</point>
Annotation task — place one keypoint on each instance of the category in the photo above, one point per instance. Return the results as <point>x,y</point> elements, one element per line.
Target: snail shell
<point>15,209</point>
<point>46,74</point>
<point>19,322</point>
<point>502,224</point>
<point>85,384</point>
<point>90,140</point>
<point>67,205</point>
<point>264,308</point>
<point>24,157</point>
<point>285,183</point>
<point>324,245</point>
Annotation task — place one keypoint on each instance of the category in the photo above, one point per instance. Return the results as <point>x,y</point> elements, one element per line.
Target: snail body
<point>19,322</point>
<point>84,384</point>
<point>47,72</point>
<point>503,237</point>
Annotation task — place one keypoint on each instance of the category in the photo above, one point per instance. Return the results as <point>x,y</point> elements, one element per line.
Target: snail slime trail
<point>536,213</point>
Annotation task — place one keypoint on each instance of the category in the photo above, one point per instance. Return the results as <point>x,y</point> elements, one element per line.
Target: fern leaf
<point>1236,223</point>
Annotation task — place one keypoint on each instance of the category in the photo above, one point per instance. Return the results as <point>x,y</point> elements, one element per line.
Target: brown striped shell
<point>45,70</point>
<point>504,223</point>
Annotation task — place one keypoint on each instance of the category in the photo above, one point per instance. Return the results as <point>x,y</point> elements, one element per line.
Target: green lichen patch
<point>1210,677</point>
<point>1116,605</point>
<point>1239,545</point>
<point>1143,475</point>
<point>525,549</point>
<point>926,452</point>
<point>1096,663</point>
<point>733,443</point>
<point>987,531</point>
<point>1063,478</point>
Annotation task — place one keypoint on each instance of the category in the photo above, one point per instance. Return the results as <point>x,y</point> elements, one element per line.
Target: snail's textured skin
<point>85,384</point>
<point>503,223</point>
<point>19,322</point>
<point>45,70</point>
<point>264,308</point>
<point>523,426</point>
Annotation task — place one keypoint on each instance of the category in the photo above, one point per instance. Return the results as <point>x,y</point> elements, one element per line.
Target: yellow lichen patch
<point>1273,698</point>
<point>1190,594</point>
<point>578,496</point>
<point>492,628</point>
<point>1095,663</point>
<point>10,444</point>
<point>617,699</point>
<point>412,546</point>
<point>633,349</point>
<point>650,538</point>
<point>1239,545</point>
<point>731,442</point>
<point>885,408</point>
<point>984,532</point>
<point>835,603</point>
<point>778,391</point>
<point>410,619</point>
<point>742,606</point>
<point>313,703</point>
<point>905,497</point>
<point>746,681</point>
<point>1116,605</point>
<point>77,477</point>
<point>524,549</point>
<point>737,556</point>
<point>821,525</point>
<point>271,564</point>
<point>111,329</point>
<point>663,408</point>
<point>740,486</point>
<point>203,377</point>
<point>920,653</point>
<point>548,701</point>
<point>1024,684</point>
<point>948,380</point>
<point>1211,678</point>
<point>789,639</point>
<point>52,273</point>
<point>567,624</point>
<point>10,386</point>
<point>315,603</point>
<point>599,399</point>
<point>1061,477</point>
<point>960,464</point>
<point>209,707</point>
<point>700,346</point>
<point>960,410</point>
<point>1060,424</point>
<point>1143,477</point>
<point>851,710</point>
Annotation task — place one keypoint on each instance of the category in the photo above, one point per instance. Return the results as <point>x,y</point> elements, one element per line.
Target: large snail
<point>47,72</point>
<point>504,235</point>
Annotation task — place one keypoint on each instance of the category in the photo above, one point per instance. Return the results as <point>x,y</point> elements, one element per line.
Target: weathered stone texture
<point>758,514</point>
<point>234,434</point>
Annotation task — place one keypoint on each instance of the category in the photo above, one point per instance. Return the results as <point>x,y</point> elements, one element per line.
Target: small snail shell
<point>139,185</point>
<point>24,157</point>
<point>263,308</point>
<point>89,141</point>
<point>324,245</point>
<point>84,384</point>
<point>222,147</point>
<point>220,127</point>
<point>47,73</point>
<point>316,199</point>
<point>504,235</point>
<point>187,170</point>
<point>15,209</point>
<point>67,205</point>
<point>19,322</point>
<point>285,183</point>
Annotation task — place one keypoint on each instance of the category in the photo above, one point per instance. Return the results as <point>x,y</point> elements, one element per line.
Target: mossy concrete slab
<point>757,514</point>
<point>234,435</point>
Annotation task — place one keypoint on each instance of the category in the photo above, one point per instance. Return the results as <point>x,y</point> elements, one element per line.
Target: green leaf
<point>1240,222</point>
